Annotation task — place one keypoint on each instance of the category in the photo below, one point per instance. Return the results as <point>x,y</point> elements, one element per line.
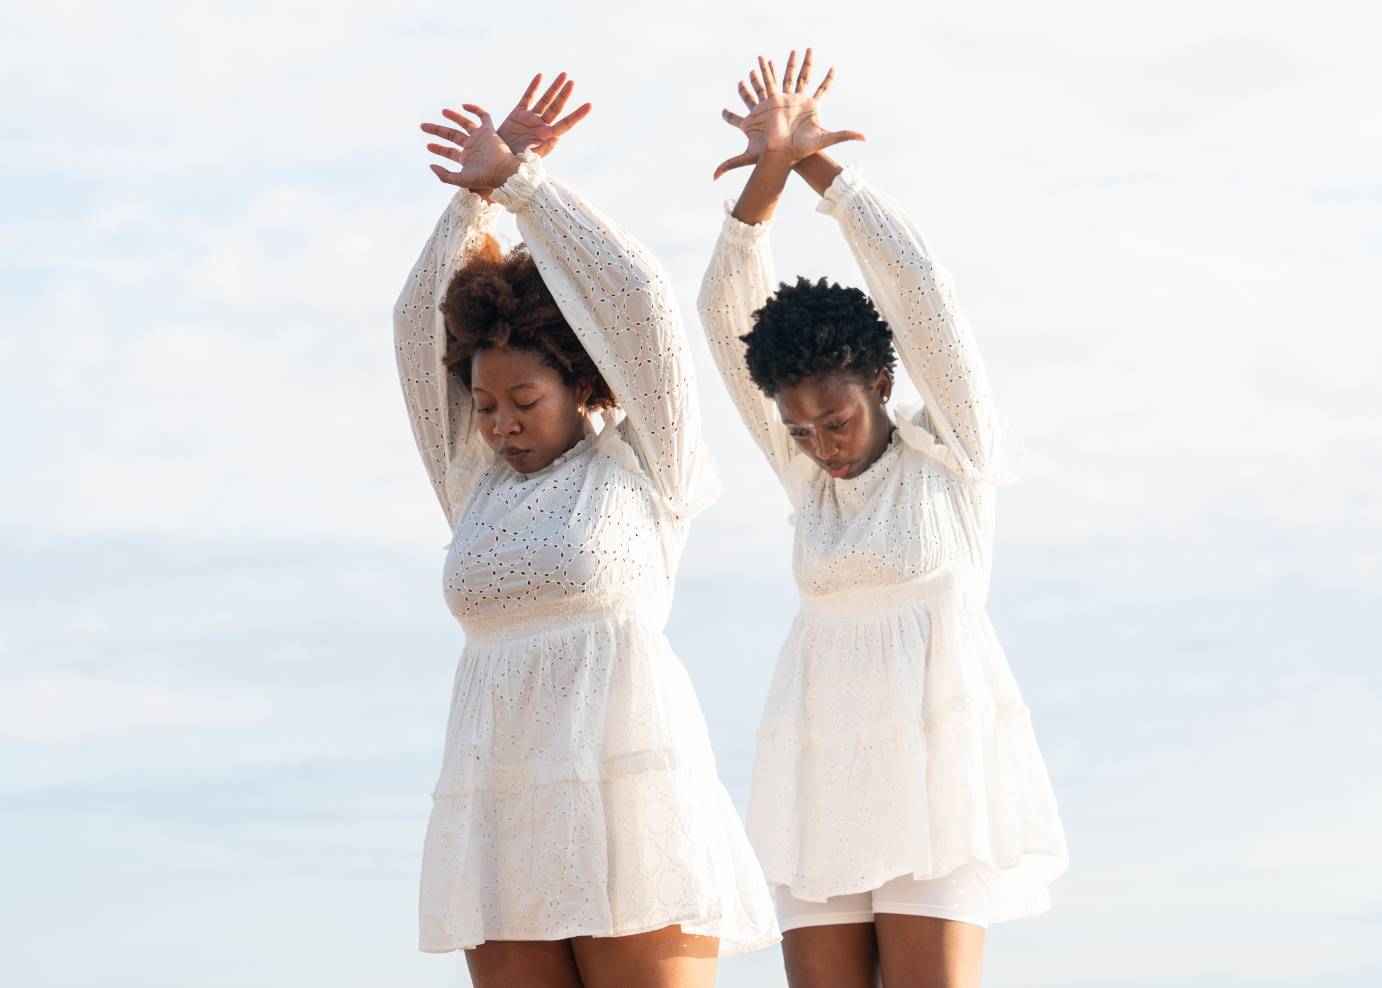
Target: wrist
<point>777,161</point>
<point>505,170</point>
<point>818,171</point>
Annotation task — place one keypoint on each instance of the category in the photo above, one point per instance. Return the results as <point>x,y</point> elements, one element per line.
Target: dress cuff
<point>736,231</point>
<point>844,187</point>
<point>466,204</point>
<point>523,184</point>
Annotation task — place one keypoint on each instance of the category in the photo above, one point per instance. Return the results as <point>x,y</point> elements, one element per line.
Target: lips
<point>837,471</point>
<point>512,453</point>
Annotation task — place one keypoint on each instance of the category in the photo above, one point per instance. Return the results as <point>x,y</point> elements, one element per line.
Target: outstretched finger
<point>747,96</point>
<point>545,103</point>
<point>447,133</point>
<point>765,69</point>
<point>804,75</point>
<point>824,87</point>
<point>569,121</point>
<point>453,153</point>
<point>787,85</point>
<point>485,119</point>
<point>840,136</point>
<point>449,177</point>
<point>461,119</point>
<point>555,108</point>
<point>733,119</point>
<point>757,84</point>
<point>738,161</point>
<point>530,92</point>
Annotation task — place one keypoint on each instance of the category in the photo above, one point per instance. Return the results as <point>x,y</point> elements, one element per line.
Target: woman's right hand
<point>783,123</point>
<point>486,161</point>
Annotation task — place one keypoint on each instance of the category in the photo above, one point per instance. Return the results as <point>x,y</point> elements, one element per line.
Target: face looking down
<point>524,410</point>
<point>839,420</point>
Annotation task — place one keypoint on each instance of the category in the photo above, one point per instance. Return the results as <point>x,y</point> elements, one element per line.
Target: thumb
<point>738,161</point>
<point>840,136</point>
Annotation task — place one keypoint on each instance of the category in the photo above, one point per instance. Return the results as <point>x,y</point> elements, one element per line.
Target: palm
<point>787,124</point>
<point>486,154</point>
<point>524,129</point>
<point>783,119</point>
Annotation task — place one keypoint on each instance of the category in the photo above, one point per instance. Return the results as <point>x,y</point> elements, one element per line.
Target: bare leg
<point>505,963</point>
<point>840,955</point>
<point>923,952</point>
<point>665,958</point>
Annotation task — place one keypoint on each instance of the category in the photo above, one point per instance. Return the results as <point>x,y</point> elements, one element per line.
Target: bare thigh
<point>922,952</point>
<point>665,958</point>
<point>839,955</point>
<point>505,963</point>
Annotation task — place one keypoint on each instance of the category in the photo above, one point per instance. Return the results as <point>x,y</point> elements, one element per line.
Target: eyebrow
<point>822,415</point>
<point>512,387</point>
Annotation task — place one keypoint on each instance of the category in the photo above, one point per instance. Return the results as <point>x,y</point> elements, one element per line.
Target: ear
<point>585,390</point>
<point>883,385</point>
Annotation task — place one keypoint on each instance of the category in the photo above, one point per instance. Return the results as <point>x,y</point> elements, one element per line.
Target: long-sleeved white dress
<point>894,739</point>
<point>578,792</point>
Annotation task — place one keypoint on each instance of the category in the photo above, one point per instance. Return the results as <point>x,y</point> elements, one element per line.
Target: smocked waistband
<point>527,619</point>
<point>854,602</point>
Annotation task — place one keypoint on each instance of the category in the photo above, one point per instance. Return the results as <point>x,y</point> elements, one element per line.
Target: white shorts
<point>965,895</point>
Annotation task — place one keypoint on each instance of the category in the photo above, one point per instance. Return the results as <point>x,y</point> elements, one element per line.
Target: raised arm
<point>915,295</point>
<point>783,130</point>
<point>438,408</point>
<point>619,302</point>
<point>736,284</point>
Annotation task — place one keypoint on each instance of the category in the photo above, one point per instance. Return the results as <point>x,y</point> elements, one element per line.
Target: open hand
<point>486,161</point>
<point>783,122</point>
<point>536,126</point>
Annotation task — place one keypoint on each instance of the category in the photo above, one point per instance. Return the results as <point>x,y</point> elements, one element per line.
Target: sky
<point>225,662</point>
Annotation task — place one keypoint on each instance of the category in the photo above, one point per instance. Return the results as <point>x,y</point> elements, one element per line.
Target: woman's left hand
<point>536,126</point>
<point>783,122</point>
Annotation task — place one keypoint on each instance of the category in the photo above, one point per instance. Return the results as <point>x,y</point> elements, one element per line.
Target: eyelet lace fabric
<point>577,792</point>
<point>894,739</point>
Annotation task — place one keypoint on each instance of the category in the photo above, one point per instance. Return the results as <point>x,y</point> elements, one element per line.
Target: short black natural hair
<point>815,328</point>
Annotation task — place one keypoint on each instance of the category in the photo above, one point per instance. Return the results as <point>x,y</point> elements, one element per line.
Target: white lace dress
<point>578,792</point>
<point>894,739</point>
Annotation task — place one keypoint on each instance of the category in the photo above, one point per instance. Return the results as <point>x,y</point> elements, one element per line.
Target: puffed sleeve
<point>934,342</point>
<point>439,409</point>
<point>619,302</point>
<point>736,284</point>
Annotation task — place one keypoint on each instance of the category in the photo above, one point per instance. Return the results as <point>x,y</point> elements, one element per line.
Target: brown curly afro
<point>498,299</point>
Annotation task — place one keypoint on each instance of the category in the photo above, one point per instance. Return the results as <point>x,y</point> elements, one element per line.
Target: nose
<point>505,424</point>
<point>826,448</point>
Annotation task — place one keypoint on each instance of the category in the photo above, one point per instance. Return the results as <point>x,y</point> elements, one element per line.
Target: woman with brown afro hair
<point>579,833</point>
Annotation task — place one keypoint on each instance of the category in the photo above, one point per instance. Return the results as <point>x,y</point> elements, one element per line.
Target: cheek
<point>484,422</point>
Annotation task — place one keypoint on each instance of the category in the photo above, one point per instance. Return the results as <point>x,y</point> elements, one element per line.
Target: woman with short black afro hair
<point>814,328</point>
<point>579,835</point>
<point>899,802</point>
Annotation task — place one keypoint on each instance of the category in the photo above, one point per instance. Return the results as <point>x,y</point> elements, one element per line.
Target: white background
<point>224,658</point>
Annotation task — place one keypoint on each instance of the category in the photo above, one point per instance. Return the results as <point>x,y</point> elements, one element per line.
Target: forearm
<point>818,170</point>
<point>762,191</point>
